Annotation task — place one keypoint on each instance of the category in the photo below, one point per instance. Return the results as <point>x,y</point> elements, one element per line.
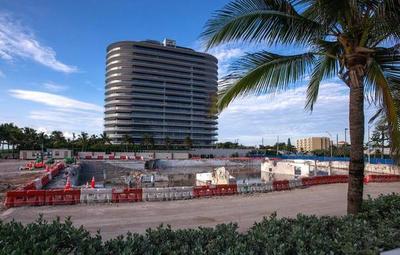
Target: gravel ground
<point>11,177</point>
<point>116,219</point>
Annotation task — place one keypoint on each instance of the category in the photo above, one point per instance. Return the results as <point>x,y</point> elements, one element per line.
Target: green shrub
<point>69,160</point>
<point>375,229</point>
<point>50,161</point>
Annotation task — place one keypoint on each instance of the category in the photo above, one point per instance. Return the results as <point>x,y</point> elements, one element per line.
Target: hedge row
<point>376,229</point>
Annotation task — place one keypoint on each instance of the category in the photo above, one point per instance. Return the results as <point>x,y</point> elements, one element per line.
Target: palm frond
<point>325,67</point>
<point>263,72</point>
<point>384,97</point>
<point>255,21</point>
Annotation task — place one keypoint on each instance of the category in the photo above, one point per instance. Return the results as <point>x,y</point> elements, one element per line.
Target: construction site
<point>105,193</point>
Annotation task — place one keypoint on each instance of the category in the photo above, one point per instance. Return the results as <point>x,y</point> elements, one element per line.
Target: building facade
<point>160,93</point>
<point>313,143</point>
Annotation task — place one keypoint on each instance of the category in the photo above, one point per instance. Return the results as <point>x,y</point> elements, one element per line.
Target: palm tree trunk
<point>356,166</point>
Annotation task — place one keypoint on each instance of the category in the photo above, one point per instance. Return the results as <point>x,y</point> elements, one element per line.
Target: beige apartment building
<point>313,143</point>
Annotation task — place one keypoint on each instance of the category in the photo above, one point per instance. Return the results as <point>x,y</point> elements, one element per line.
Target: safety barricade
<point>329,179</point>
<point>383,178</point>
<point>127,195</point>
<point>225,189</point>
<point>39,165</point>
<point>280,185</point>
<point>96,195</point>
<point>45,179</point>
<point>30,186</point>
<point>203,191</point>
<point>35,197</point>
<point>171,193</point>
<point>123,157</point>
<point>15,198</point>
<point>254,187</point>
<point>100,157</point>
<point>295,183</point>
<point>88,157</point>
<point>63,197</point>
<point>111,157</point>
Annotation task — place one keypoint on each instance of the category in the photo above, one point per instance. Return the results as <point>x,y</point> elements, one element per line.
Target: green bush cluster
<point>376,229</point>
<point>69,160</point>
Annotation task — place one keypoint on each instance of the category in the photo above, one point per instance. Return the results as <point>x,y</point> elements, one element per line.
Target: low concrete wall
<point>219,152</point>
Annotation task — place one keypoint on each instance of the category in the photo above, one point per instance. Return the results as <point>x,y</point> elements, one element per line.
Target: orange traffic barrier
<point>63,197</point>
<point>15,198</point>
<point>30,186</point>
<point>127,195</point>
<point>384,178</point>
<point>35,197</point>
<point>225,189</point>
<point>203,191</point>
<point>280,185</point>
<point>45,179</point>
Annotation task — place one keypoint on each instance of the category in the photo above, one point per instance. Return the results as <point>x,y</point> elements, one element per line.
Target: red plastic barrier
<point>317,180</point>
<point>45,179</point>
<point>203,191</point>
<point>30,186</point>
<point>15,198</point>
<point>225,189</point>
<point>111,157</point>
<point>35,197</point>
<point>217,190</point>
<point>88,157</point>
<point>100,157</point>
<point>63,197</point>
<point>123,157</point>
<point>39,165</point>
<point>281,185</point>
<point>384,178</point>
<point>127,195</point>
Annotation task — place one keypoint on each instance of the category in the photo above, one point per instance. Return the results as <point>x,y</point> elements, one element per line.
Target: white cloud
<point>68,121</point>
<point>17,41</point>
<point>54,87</point>
<point>58,101</point>
<point>59,113</point>
<point>225,55</point>
<point>252,118</point>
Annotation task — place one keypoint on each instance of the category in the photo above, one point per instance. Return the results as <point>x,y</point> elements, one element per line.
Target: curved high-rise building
<point>160,91</point>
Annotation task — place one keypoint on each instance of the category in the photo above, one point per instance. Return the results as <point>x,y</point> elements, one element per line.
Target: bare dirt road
<point>115,219</point>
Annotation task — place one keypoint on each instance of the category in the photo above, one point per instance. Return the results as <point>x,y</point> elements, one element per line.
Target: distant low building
<point>313,143</point>
<point>55,153</point>
<point>342,144</point>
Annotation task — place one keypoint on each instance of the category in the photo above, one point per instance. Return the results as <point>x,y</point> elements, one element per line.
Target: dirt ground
<point>11,177</point>
<point>116,219</point>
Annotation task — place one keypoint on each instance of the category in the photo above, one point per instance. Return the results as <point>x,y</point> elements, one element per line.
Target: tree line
<point>14,138</point>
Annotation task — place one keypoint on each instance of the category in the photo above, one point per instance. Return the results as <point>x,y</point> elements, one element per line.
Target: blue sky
<point>52,61</point>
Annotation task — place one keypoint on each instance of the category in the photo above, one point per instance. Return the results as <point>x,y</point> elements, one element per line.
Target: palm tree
<point>167,142</point>
<point>188,142</point>
<point>349,39</point>
<point>148,140</point>
<point>126,139</point>
<point>83,138</point>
